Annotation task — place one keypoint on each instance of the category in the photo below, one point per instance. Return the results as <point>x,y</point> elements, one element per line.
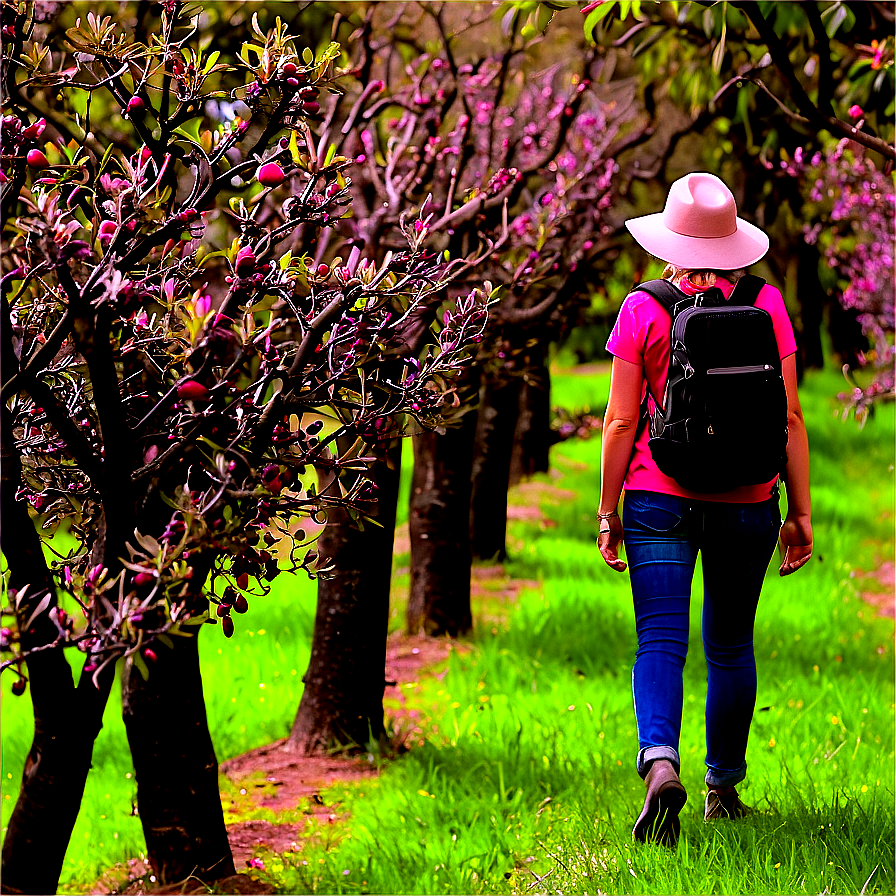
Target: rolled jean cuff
<point>723,777</point>
<point>649,755</point>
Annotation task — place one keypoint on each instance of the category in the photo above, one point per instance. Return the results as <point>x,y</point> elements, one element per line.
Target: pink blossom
<point>856,111</point>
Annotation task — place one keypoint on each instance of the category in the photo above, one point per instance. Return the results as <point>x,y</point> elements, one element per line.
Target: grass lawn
<point>526,781</point>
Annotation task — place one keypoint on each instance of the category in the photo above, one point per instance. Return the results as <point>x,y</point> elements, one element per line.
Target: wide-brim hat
<point>699,228</point>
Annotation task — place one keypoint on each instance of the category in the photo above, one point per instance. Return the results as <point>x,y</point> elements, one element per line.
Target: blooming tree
<point>504,157</point>
<point>183,383</point>
<point>851,217</point>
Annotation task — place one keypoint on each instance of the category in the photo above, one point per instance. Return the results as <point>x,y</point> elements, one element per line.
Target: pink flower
<point>107,231</point>
<point>856,111</point>
<point>256,863</point>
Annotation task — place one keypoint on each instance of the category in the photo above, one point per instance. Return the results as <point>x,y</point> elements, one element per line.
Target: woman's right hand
<point>796,543</point>
<point>608,542</point>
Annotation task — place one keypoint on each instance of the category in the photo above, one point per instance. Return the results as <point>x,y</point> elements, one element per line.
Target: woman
<point>664,526</point>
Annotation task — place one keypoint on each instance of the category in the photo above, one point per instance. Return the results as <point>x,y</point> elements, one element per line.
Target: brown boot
<point>658,821</point>
<point>723,802</point>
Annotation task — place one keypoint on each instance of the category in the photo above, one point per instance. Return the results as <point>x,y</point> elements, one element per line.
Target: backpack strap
<point>673,299</point>
<point>746,290</point>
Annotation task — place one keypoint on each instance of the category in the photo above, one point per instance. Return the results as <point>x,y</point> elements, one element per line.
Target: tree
<point>510,157</point>
<point>175,369</point>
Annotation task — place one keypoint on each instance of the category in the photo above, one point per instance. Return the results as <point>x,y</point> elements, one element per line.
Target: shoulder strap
<point>747,290</point>
<point>667,294</point>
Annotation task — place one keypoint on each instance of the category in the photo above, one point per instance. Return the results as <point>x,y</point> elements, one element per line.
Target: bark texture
<point>498,410</point>
<point>439,601</point>
<point>342,704</point>
<point>66,719</point>
<point>175,765</point>
<point>532,439</point>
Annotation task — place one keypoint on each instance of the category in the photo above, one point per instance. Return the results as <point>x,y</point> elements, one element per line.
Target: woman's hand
<point>608,542</point>
<point>796,543</point>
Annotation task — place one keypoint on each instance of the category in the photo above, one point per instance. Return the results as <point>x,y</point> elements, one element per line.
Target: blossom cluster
<point>851,216</point>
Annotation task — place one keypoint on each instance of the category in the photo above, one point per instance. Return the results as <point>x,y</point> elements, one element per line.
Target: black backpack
<point>723,419</point>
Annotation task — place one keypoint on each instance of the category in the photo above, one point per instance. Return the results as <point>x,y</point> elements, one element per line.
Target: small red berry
<point>242,581</point>
<point>271,175</point>
<point>149,655</point>
<point>135,104</point>
<point>36,159</point>
<point>323,270</point>
<point>18,687</point>
<point>227,626</point>
<point>192,390</point>
<point>241,605</point>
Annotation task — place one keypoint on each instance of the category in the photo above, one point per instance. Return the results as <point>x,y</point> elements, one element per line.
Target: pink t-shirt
<point>641,336</point>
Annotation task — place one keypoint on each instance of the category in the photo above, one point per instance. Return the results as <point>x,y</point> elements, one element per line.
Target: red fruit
<point>271,175</point>
<point>223,610</point>
<point>36,159</point>
<point>242,581</point>
<point>149,655</point>
<point>245,261</point>
<point>33,131</point>
<point>18,687</point>
<point>323,270</point>
<point>241,605</point>
<point>311,107</point>
<point>143,578</point>
<point>192,390</point>
<point>289,69</point>
<point>135,104</point>
<point>227,626</point>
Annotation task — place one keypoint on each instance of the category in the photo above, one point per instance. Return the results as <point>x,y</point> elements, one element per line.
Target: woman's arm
<point>796,532</point>
<point>618,439</point>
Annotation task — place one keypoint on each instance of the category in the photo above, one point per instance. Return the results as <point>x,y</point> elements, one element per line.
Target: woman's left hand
<point>608,542</point>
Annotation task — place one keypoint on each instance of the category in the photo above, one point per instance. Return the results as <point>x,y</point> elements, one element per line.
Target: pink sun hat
<point>699,228</point>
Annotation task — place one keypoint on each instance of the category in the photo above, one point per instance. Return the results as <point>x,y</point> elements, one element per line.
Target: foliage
<point>850,205</point>
<point>790,52</point>
<point>178,365</point>
<point>507,155</point>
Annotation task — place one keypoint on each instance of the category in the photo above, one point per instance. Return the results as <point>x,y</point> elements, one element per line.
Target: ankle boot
<point>658,821</point>
<point>723,802</point>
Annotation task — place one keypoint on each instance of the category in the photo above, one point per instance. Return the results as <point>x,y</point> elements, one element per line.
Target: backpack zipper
<point>752,368</point>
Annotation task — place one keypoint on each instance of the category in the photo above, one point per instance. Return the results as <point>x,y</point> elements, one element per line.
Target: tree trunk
<point>812,298</point>
<point>498,410</point>
<point>176,767</point>
<point>342,704</point>
<point>66,719</point>
<point>532,439</point>
<point>439,602</point>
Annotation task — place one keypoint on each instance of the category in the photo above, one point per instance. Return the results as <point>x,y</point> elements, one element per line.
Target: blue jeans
<point>662,536</point>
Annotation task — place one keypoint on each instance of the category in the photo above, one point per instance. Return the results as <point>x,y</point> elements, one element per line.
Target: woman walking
<point>665,524</point>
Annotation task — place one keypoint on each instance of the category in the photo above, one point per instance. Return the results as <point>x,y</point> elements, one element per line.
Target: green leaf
<point>140,665</point>
<point>718,54</point>
<point>105,159</point>
<point>594,17</point>
<point>331,152</point>
<point>307,56</point>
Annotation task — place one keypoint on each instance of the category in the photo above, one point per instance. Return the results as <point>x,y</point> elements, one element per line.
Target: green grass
<point>528,767</point>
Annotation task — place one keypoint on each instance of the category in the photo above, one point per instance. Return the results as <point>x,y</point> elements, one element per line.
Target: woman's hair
<point>702,279</point>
